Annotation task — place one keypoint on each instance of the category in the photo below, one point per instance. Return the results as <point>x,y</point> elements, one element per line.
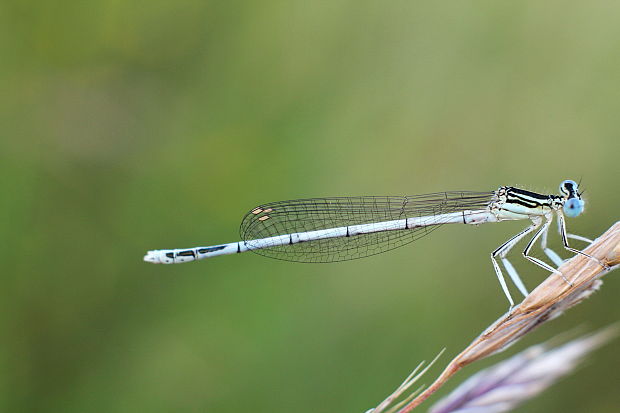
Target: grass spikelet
<point>514,381</point>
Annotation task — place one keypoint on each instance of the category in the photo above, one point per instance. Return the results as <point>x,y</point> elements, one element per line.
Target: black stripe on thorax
<point>526,198</point>
<point>532,205</point>
<point>534,195</point>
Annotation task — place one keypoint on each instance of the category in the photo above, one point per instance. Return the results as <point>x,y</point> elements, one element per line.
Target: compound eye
<point>568,186</point>
<point>573,207</point>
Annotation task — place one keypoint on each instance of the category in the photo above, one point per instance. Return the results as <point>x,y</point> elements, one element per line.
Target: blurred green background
<point>128,126</point>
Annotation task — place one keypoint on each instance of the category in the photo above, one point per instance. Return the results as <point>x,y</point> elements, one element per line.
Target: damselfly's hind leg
<point>502,251</point>
<point>538,261</point>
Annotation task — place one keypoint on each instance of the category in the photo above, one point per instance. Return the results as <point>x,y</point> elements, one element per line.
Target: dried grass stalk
<point>550,299</point>
<point>510,383</point>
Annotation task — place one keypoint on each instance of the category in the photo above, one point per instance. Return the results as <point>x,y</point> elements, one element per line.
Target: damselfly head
<point>574,205</point>
<point>569,189</point>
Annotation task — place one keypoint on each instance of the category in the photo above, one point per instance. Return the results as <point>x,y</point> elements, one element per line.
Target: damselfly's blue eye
<point>573,207</point>
<point>568,187</point>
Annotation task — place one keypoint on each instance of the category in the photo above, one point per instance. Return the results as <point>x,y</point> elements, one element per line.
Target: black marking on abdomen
<point>238,248</point>
<point>211,249</point>
<point>186,253</point>
<point>170,255</point>
<point>348,235</point>
<point>290,239</point>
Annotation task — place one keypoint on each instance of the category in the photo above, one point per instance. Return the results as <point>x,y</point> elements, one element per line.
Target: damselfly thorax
<point>517,203</point>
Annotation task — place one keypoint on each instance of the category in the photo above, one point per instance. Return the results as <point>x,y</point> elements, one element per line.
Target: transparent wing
<point>302,215</point>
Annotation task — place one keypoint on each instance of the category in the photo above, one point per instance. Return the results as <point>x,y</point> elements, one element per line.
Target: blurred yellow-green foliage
<point>128,126</point>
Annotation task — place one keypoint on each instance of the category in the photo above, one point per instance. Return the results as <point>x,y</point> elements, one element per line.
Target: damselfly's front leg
<point>571,236</point>
<point>565,237</point>
<point>552,254</point>
<point>502,251</point>
<point>579,238</point>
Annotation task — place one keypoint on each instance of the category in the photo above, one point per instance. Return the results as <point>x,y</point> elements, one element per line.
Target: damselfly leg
<point>557,260</point>
<point>502,251</point>
<point>565,236</point>
<point>537,261</point>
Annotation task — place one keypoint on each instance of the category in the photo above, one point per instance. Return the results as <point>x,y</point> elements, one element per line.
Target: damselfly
<point>346,228</point>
